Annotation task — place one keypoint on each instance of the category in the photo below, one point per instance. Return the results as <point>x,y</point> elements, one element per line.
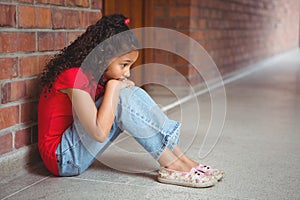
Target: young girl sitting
<point>105,103</point>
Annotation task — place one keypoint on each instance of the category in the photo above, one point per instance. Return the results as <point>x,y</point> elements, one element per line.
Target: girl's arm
<point>97,123</point>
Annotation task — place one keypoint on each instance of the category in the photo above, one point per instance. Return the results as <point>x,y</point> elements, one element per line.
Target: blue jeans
<point>136,113</point>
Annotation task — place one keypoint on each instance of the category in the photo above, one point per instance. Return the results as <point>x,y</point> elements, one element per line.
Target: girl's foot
<point>192,178</point>
<point>178,165</point>
<point>217,174</point>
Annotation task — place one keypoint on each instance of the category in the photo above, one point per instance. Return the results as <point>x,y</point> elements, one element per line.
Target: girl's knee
<point>129,90</point>
<point>136,97</point>
<point>133,92</point>
<point>127,94</point>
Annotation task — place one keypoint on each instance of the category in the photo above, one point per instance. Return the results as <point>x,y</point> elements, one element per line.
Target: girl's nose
<point>127,74</point>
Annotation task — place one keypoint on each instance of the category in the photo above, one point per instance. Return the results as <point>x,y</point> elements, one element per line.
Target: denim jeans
<point>136,113</point>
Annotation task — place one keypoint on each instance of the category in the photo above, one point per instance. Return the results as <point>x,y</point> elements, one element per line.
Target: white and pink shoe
<point>193,178</point>
<point>217,174</point>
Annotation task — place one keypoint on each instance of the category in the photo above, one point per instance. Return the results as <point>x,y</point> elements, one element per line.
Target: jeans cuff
<point>169,141</point>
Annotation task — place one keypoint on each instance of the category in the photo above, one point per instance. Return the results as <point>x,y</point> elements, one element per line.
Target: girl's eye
<point>124,65</point>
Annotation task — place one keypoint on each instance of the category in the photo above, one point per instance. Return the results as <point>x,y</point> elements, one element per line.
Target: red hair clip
<point>127,21</point>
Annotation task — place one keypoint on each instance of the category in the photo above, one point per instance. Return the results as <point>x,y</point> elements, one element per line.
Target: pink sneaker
<point>193,178</point>
<point>217,174</point>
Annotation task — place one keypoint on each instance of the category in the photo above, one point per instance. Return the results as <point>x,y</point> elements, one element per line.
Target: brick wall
<point>235,33</point>
<point>31,32</point>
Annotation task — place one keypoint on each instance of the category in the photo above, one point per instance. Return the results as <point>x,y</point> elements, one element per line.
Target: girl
<point>89,77</point>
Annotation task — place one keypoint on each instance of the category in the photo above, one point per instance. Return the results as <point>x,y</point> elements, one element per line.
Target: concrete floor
<point>258,149</point>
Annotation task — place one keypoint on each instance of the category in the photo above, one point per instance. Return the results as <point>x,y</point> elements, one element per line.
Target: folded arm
<point>97,122</point>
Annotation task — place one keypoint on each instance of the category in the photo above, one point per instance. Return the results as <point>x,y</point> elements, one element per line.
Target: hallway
<point>258,149</point>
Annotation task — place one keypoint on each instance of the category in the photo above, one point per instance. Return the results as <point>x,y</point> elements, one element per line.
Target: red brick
<point>216,14</point>
<point>76,3</point>
<point>197,35</point>
<point>9,116</point>
<point>29,112</point>
<point>26,42</point>
<point>5,143</point>
<point>30,16</point>
<point>84,19</point>
<point>43,17</point>
<point>26,16</point>
<point>48,41</point>
<point>234,33</point>
<point>29,66</point>
<point>13,91</point>
<point>72,36</point>
<point>92,18</point>
<point>32,65</point>
<point>62,18</point>
<point>97,4</point>
<point>182,23</point>
<point>194,12</point>
<point>55,2</point>
<point>19,90</point>
<point>195,2</point>
<point>58,19</point>
<point>165,22</point>
<point>22,138</point>
<point>8,68</point>
<point>201,23</point>
<point>8,42</point>
<point>193,23</point>
<point>203,13</point>
<point>7,15</point>
<point>43,60</point>
<point>17,42</point>
<point>26,1</point>
<point>32,88</point>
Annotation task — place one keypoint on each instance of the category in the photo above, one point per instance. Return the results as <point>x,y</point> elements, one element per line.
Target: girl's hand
<point>126,83</point>
<point>119,84</point>
<point>97,122</point>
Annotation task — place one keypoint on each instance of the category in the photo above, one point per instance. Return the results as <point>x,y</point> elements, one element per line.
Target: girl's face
<point>119,67</point>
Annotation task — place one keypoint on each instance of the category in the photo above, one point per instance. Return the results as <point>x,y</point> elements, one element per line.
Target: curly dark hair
<point>93,49</point>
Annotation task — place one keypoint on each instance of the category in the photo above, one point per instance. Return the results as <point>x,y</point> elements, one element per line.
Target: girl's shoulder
<point>71,71</point>
<point>74,73</point>
<point>74,77</point>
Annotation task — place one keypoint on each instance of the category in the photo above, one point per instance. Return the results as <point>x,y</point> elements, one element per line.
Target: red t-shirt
<point>55,112</point>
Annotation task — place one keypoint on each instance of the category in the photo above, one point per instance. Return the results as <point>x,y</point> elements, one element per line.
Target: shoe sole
<point>180,183</point>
